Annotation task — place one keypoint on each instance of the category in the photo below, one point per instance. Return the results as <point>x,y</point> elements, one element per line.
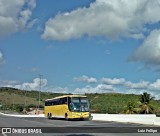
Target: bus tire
<point>66,116</point>
<point>48,116</point>
<point>81,119</point>
<point>90,118</point>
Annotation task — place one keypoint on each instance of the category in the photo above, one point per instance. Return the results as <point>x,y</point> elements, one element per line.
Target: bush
<point>19,108</point>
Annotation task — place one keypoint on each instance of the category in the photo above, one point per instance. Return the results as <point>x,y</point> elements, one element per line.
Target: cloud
<point>137,36</point>
<point>57,89</point>
<point>34,85</point>
<point>1,58</point>
<point>121,85</point>
<point>114,81</point>
<point>140,85</point>
<point>123,82</point>
<point>101,88</point>
<point>104,87</point>
<point>149,51</point>
<point>111,19</point>
<point>118,82</point>
<point>155,86</point>
<point>15,15</point>
<point>8,83</point>
<point>85,79</point>
<point>113,86</point>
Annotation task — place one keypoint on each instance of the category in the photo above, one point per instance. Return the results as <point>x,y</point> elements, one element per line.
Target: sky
<point>81,46</point>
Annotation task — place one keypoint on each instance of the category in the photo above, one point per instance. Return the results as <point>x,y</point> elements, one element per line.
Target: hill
<point>101,103</point>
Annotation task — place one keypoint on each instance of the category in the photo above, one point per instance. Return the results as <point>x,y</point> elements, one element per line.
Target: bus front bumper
<point>80,115</point>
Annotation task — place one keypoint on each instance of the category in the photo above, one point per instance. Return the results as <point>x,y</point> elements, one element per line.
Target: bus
<point>68,107</point>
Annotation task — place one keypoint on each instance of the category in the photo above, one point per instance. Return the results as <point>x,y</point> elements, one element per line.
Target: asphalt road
<point>61,127</point>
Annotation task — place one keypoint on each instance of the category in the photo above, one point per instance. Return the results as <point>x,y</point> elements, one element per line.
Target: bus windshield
<point>79,104</point>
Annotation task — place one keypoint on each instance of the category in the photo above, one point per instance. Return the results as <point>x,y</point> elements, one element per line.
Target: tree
<point>146,107</point>
<point>131,108</point>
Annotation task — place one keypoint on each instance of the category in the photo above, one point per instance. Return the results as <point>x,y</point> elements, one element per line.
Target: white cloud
<point>155,86</point>
<point>114,81</point>
<point>8,83</point>
<point>149,51</point>
<point>140,85</point>
<point>131,87</point>
<point>137,36</point>
<point>124,83</point>
<point>15,15</point>
<point>34,85</point>
<point>57,89</point>
<point>126,87</point>
<point>104,87</point>
<point>111,19</point>
<point>101,88</point>
<point>157,96</point>
<point>85,79</point>
<point>84,90</point>
<point>1,58</point>
<point>135,91</point>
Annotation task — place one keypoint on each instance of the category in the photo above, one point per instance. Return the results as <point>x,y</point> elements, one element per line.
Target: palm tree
<point>146,107</point>
<point>131,108</point>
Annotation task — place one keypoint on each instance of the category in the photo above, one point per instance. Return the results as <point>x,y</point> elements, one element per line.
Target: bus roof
<point>66,96</point>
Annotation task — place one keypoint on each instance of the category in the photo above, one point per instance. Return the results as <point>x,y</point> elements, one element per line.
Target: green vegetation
<point>142,106</point>
<point>110,102</point>
<point>113,103</point>
<point>146,107</point>
<point>17,100</point>
<point>132,108</point>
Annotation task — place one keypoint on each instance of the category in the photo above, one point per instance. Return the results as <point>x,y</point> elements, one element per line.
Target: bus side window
<point>61,100</point>
<point>52,102</point>
<point>65,100</point>
<point>46,104</point>
<point>55,102</point>
<point>58,101</point>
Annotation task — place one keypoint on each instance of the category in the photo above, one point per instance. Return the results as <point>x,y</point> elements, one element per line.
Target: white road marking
<point>4,134</point>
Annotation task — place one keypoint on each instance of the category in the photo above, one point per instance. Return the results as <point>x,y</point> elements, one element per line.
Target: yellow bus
<point>68,107</point>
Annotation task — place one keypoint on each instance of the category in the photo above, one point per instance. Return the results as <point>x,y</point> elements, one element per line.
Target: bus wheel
<point>66,116</point>
<point>90,117</point>
<point>81,119</point>
<point>48,116</point>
